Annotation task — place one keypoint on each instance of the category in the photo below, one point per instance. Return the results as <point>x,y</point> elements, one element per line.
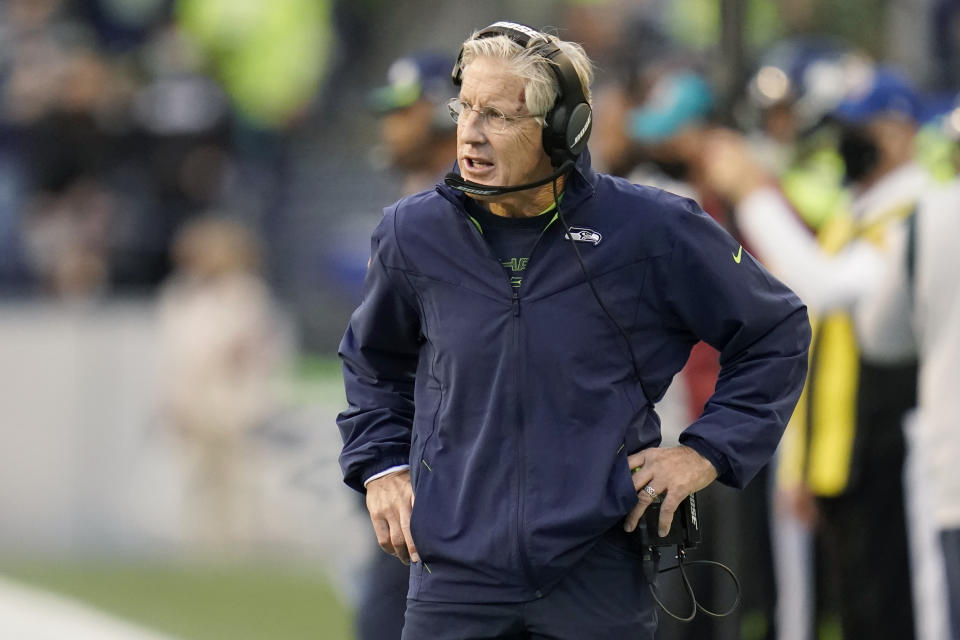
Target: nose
<point>470,128</point>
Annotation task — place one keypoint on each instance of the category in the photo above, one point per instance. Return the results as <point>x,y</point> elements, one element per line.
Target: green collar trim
<point>552,206</point>
<point>474,221</point>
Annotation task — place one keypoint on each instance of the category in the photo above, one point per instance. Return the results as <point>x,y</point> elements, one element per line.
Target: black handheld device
<point>685,530</point>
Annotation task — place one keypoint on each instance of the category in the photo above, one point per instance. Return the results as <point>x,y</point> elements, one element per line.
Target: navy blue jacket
<point>517,412</point>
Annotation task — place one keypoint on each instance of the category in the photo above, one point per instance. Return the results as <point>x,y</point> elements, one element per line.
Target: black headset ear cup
<point>566,132</point>
<point>579,125</point>
<point>555,134</point>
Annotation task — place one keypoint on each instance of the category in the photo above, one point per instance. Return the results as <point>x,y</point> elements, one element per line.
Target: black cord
<point>686,585</point>
<point>681,565</point>
<point>596,294</point>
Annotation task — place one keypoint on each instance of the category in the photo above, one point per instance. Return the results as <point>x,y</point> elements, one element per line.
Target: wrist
<point>753,181</point>
<point>706,467</point>
<point>390,471</point>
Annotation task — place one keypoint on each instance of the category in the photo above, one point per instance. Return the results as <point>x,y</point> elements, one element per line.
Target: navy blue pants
<point>950,540</point>
<point>383,599</point>
<point>604,596</point>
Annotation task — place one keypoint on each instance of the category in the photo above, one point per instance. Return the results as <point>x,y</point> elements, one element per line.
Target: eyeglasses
<point>491,118</point>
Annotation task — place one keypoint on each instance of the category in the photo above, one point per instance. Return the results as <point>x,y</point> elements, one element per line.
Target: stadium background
<point>122,120</point>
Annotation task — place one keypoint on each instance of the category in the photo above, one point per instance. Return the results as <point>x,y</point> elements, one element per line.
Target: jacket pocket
<point>424,427</point>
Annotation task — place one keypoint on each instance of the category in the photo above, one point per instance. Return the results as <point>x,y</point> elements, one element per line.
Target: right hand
<point>729,167</point>
<point>390,503</point>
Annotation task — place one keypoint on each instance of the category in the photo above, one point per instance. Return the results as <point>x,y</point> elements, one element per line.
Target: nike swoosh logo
<point>738,255</point>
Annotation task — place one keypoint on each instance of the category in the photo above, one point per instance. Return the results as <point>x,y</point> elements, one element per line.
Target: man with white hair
<point>518,323</point>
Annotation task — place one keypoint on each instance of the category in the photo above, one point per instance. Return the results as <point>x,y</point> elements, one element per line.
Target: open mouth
<point>477,165</point>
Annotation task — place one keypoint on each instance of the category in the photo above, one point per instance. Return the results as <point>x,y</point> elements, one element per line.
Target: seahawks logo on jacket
<point>582,234</point>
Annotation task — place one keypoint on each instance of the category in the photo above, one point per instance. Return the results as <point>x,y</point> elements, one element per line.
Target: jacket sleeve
<point>379,352</point>
<point>723,296</point>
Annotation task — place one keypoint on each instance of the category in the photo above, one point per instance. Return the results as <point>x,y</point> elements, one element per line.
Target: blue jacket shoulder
<point>659,216</point>
<point>419,208</point>
<point>402,228</point>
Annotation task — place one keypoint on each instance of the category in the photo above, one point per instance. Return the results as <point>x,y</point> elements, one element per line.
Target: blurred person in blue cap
<point>418,141</point>
<point>914,314</point>
<point>798,81</point>
<point>879,118</point>
<point>418,138</point>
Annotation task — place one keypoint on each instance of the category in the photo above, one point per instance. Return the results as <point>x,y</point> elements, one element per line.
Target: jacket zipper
<point>521,469</point>
<point>521,450</point>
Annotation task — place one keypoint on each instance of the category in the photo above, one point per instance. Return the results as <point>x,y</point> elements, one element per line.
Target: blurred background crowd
<point>187,189</point>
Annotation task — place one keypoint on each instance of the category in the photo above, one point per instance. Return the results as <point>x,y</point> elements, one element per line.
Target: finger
<point>636,460</point>
<point>633,518</point>
<point>644,500</point>
<point>667,508</point>
<point>382,529</point>
<point>642,478</point>
<point>399,544</point>
<point>408,536</point>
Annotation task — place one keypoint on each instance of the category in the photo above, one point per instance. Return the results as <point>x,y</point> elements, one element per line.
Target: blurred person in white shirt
<point>917,310</point>
<point>220,347</point>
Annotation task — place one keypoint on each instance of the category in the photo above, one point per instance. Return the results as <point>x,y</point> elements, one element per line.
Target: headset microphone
<point>457,182</point>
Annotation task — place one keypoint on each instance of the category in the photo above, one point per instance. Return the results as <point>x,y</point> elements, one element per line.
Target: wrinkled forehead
<point>490,81</point>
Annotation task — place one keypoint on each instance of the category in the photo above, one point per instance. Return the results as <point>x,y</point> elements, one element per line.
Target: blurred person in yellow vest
<point>844,454</point>
<point>220,351</point>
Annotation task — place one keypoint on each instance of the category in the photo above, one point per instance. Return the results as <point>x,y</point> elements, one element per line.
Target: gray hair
<point>540,82</point>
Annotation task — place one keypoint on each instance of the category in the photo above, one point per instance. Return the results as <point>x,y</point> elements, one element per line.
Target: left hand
<point>674,473</point>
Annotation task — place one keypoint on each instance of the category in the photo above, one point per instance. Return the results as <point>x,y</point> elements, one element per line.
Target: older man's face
<point>500,158</point>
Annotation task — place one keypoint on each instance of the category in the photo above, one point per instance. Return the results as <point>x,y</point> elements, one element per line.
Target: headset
<point>567,124</point>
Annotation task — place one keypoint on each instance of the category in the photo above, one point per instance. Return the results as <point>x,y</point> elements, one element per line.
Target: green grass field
<point>198,601</point>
